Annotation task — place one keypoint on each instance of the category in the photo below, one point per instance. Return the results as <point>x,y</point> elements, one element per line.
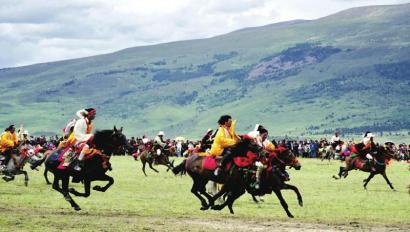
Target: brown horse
<point>271,181</point>
<point>234,179</point>
<point>150,157</point>
<point>381,157</point>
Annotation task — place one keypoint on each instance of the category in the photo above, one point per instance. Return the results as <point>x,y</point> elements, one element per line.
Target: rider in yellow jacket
<point>224,139</point>
<point>8,142</point>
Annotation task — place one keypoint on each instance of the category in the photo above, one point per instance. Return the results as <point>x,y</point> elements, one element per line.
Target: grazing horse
<point>162,159</point>
<point>271,181</point>
<point>95,166</point>
<point>382,156</point>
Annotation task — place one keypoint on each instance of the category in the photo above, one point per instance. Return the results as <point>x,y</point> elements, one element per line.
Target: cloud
<point>43,30</point>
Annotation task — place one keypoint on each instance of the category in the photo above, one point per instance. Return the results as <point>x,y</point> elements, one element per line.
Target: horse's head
<point>118,138</point>
<point>288,158</point>
<point>383,154</point>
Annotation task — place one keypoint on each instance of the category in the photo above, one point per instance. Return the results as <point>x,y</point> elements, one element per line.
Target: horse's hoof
<point>204,207</point>
<point>97,188</point>
<point>394,190</point>
<point>290,216</point>
<point>301,203</point>
<point>77,208</point>
<point>26,183</point>
<point>231,211</point>
<point>216,207</point>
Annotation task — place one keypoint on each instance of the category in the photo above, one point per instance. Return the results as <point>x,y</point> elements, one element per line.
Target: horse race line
<point>127,221</point>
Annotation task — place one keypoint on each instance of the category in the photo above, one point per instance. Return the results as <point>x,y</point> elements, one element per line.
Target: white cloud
<point>43,30</point>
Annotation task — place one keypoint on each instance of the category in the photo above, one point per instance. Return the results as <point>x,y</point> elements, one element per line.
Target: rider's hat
<point>161,133</point>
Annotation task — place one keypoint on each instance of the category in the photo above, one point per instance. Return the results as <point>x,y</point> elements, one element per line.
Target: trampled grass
<point>164,202</point>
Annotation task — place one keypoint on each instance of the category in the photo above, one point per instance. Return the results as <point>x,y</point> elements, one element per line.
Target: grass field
<point>163,202</point>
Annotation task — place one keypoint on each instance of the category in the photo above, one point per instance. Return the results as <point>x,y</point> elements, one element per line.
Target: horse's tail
<point>180,168</point>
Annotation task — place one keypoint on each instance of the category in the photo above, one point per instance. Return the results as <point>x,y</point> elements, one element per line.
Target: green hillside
<point>349,70</point>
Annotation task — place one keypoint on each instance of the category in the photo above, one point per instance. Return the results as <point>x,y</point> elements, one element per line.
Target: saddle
<point>211,162</point>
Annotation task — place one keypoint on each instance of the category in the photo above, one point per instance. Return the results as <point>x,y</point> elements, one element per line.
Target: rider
<point>207,140</point>
<point>335,141</point>
<point>225,139</point>
<point>8,142</point>
<point>82,136</point>
<point>365,148</point>
<point>159,143</point>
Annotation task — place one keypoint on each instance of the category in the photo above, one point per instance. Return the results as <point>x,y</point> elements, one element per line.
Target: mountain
<point>350,70</point>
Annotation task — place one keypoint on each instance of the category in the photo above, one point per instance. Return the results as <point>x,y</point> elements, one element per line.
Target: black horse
<point>105,141</point>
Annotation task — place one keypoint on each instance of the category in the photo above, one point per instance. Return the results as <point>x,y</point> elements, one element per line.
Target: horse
<point>233,180</point>
<point>271,181</point>
<point>161,159</point>
<point>381,157</point>
<point>23,154</point>
<point>95,167</point>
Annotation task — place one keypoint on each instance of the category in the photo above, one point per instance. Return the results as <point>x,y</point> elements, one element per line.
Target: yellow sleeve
<point>269,146</point>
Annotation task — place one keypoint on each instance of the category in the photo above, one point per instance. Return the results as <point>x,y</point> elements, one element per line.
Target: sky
<point>38,31</point>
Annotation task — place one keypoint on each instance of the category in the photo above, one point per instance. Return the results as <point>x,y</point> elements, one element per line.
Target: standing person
<point>224,140</point>
<point>8,142</point>
<point>82,136</point>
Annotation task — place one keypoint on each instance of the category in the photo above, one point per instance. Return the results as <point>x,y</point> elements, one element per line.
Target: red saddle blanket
<point>210,162</point>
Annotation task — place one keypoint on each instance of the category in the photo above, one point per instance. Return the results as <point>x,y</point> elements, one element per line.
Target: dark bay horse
<point>153,158</point>
<point>381,158</point>
<point>94,168</point>
<point>193,165</point>
<point>271,181</point>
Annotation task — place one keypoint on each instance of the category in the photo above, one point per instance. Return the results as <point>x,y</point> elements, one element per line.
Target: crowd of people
<point>78,136</point>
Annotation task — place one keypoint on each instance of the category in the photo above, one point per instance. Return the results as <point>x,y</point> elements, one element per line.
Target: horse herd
<point>238,178</point>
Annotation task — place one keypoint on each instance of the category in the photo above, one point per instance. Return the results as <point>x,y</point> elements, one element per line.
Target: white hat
<point>368,135</point>
<point>256,127</point>
<point>25,132</point>
<point>145,140</point>
<point>161,133</point>
<point>209,129</point>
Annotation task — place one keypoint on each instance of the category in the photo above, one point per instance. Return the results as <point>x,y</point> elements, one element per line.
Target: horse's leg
<point>25,177</point>
<point>56,185</point>
<point>106,178</point>
<point>282,202</point>
<point>387,180</point>
<point>202,190</point>
<point>223,192</point>
<point>87,186</point>
<point>195,190</point>
<point>366,181</point>
<point>339,175</point>
<point>45,175</point>
<point>143,166</point>
<point>150,166</point>
<point>235,196</point>
<point>254,199</point>
<point>65,182</point>
<point>296,190</point>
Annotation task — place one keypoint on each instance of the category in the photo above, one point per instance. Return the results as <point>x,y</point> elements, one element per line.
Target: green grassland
<point>163,202</point>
